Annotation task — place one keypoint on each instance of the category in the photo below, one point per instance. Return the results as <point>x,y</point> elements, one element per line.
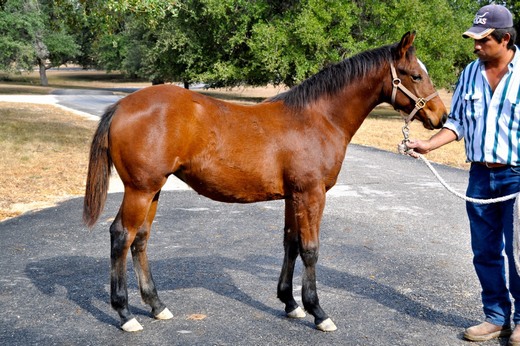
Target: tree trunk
<point>43,73</point>
<point>186,85</point>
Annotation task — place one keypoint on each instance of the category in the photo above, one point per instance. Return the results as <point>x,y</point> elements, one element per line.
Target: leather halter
<point>419,101</point>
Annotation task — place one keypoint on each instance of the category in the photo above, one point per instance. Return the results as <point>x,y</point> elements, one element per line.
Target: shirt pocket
<point>511,112</point>
<point>474,105</point>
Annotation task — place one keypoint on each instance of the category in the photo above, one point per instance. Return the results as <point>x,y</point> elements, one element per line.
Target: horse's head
<point>412,91</point>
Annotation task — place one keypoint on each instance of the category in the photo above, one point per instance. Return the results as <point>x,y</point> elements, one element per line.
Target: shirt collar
<point>516,58</point>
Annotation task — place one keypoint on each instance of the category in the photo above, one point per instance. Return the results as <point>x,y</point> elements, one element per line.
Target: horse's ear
<point>405,44</point>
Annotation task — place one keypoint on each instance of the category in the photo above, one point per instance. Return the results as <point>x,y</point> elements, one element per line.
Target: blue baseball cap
<point>487,19</point>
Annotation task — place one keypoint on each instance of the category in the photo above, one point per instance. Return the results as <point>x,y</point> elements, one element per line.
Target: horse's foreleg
<point>285,283</point>
<point>310,299</point>
<point>309,209</point>
<point>142,268</point>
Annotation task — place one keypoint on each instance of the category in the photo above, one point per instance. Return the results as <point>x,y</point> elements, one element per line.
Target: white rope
<point>516,211</point>
<point>464,197</point>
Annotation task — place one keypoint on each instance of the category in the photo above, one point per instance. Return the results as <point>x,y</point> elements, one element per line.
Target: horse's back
<point>220,149</point>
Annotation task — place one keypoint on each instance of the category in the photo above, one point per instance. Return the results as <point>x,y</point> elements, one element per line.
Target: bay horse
<point>289,147</point>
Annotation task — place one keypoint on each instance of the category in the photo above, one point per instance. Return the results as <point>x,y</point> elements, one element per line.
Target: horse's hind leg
<point>123,231</point>
<point>119,244</point>
<point>291,247</point>
<point>142,268</point>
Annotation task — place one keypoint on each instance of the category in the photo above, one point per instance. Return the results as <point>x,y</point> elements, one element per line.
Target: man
<point>485,111</point>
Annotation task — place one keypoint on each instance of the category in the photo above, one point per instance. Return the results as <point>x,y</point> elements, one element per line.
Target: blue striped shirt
<point>488,122</point>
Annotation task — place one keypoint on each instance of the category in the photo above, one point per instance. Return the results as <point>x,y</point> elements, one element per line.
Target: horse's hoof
<point>132,326</point>
<point>296,313</point>
<point>327,326</point>
<point>164,315</point>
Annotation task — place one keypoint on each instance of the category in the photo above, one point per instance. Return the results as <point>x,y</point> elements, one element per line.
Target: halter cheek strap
<point>419,101</point>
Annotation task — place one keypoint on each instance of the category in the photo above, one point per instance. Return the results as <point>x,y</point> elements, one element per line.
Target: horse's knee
<point>116,228</point>
<point>309,256</point>
<point>140,242</point>
<point>118,235</point>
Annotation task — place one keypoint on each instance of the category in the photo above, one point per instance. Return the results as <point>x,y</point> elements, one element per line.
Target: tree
<point>30,35</point>
<point>295,44</point>
<point>230,42</point>
<point>223,42</point>
<point>439,42</point>
<point>17,32</point>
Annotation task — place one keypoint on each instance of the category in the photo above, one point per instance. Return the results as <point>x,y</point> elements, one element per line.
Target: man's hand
<point>419,146</point>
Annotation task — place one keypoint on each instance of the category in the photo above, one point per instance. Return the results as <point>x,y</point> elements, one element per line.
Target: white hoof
<point>164,315</point>
<point>296,313</point>
<point>132,326</point>
<point>327,326</point>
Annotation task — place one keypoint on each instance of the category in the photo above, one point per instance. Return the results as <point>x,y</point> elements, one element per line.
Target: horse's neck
<point>352,106</point>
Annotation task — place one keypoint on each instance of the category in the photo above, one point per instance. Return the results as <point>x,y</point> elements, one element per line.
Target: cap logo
<point>480,19</point>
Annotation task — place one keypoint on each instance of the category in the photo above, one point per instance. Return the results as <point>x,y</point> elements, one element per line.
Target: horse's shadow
<point>86,281</point>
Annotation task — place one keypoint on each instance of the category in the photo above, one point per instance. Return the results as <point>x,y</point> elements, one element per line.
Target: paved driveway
<point>395,264</point>
<point>395,267</point>
<point>91,103</point>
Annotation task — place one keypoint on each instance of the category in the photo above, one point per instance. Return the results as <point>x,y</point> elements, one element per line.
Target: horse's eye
<point>416,77</point>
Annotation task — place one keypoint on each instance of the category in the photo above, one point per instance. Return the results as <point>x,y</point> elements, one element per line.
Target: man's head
<point>488,19</point>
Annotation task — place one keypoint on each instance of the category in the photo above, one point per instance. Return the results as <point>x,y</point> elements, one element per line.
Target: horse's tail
<point>99,168</point>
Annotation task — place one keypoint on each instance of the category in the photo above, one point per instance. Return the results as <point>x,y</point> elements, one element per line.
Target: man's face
<point>489,49</point>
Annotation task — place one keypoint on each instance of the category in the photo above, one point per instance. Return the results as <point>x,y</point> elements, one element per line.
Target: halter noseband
<point>419,101</point>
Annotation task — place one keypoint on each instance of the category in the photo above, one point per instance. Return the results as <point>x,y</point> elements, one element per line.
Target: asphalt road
<point>88,101</point>
<point>395,267</point>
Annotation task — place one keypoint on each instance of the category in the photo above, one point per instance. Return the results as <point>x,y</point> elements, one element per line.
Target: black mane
<point>334,77</point>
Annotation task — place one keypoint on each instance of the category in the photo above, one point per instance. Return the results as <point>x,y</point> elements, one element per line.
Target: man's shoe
<point>487,331</point>
<point>514,340</point>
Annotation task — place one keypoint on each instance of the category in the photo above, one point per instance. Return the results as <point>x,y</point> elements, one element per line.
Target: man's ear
<point>507,37</point>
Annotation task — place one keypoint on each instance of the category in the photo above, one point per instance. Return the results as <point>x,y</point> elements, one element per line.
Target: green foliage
<point>18,29</point>
<point>438,24</point>
<point>291,47</point>
<point>62,47</point>
<point>232,42</point>
<point>32,33</point>
<point>153,10</point>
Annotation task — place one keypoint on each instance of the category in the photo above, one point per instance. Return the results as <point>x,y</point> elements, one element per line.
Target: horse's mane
<point>334,77</point>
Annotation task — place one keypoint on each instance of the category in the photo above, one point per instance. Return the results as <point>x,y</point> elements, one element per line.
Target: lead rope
<point>404,150</point>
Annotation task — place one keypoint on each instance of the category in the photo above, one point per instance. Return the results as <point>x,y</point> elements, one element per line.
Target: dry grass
<point>385,132</point>
<point>44,152</point>
<point>44,149</point>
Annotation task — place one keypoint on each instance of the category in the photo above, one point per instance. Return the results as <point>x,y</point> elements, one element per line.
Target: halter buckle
<point>420,103</point>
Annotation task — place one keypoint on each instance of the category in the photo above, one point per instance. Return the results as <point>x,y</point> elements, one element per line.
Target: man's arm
<point>444,136</point>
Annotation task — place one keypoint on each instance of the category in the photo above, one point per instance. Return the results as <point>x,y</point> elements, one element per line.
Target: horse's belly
<point>233,188</point>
